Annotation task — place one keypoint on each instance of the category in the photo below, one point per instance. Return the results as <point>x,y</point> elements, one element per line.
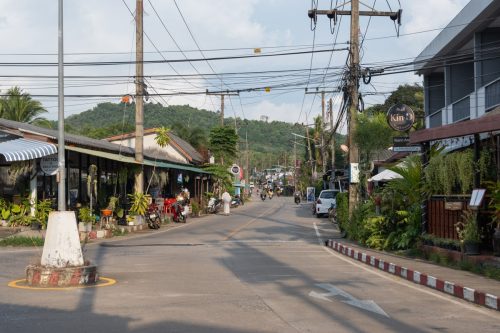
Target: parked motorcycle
<point>296,198</point>
<point>180,211</point>
<point>237,201</point>
<point>153,216</point>
<point>214,205</point>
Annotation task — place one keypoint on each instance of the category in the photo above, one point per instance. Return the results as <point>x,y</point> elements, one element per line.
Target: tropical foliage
<point>19,106</point>
<point>223,143</point>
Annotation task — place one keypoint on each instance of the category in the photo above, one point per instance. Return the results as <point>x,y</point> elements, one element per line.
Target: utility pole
<point>294,166</point>
<point>330,106</point>
<point>222,95</point>
<point>139,91</point>
<point>247,176</point>
<point>353,82</point>
<point>61,172</point>
<point>323,121</point>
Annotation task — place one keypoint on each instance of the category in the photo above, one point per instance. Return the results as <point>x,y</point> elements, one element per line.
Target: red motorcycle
<point>180,210</point>
<point>153,216</point>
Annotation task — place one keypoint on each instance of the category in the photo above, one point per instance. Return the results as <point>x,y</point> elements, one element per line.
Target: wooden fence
<point>440,220</point>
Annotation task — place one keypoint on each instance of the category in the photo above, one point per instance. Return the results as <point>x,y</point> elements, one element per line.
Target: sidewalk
<point>462,284</point>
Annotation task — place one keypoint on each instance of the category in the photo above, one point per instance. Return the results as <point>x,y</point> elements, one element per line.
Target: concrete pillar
<point>33,192</point>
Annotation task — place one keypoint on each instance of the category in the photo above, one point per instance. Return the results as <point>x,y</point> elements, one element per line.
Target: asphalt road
<point>261,269</point>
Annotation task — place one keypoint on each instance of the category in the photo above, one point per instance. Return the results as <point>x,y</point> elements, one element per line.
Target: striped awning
<point>25,149</point>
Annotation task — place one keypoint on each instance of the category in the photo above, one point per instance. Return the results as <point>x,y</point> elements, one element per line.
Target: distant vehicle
<point>252,185</point>
<point>324,202</point>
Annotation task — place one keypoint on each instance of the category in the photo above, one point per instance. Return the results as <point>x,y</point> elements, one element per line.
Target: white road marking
<point>367,305</point>
<point>318,234</point>
<point>410,285</point>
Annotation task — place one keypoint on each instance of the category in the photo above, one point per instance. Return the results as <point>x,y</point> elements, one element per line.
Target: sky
<point>104,31</point>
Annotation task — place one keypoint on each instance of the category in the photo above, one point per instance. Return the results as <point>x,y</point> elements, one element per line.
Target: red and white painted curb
<point>447,287</point>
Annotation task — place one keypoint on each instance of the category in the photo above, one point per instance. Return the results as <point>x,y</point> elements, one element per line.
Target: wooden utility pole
<point>353,83</point>
<point>323,121</point>
<point>139,91</point>
<point>222,110</point>
<point>222,95</point>
<point>353,109</point>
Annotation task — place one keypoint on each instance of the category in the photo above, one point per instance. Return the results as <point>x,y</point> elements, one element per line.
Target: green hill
<point>269,142</point>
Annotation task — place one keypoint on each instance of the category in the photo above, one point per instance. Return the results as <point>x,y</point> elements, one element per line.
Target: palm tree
<point>19,106</point>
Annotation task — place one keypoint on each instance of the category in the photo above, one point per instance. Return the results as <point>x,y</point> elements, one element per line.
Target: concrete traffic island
<point>62,263</point>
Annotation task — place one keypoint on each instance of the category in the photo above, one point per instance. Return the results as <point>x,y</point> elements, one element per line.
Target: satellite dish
<point>344,148</point>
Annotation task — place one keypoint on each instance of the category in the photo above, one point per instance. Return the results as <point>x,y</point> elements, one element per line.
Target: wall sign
<point>49,164</point>
<point>400,117</point>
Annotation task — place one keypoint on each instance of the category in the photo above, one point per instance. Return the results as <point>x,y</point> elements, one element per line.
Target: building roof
<point>182,146</point>
<point>68,138</point>
<point>484,124</point>
<point>36,132</point>
<point>475,16</point>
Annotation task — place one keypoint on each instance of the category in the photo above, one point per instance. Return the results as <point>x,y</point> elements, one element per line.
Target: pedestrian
<point>226,198</point>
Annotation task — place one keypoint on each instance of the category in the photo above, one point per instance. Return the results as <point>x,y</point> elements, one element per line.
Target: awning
<point>129,159</point>
<point>384,176</point>
<point>160,164</point>
<point>25,149</point>
<point>103,154</point>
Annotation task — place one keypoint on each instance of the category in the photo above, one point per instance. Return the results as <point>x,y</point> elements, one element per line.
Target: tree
<point>372,134</point>
<point>19,106</point>
<point>196,136</point>
<point>223,143</point>
<point>409,94</point>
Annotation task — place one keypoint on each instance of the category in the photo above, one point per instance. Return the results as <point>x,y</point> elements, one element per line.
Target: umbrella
<point>385,176</point>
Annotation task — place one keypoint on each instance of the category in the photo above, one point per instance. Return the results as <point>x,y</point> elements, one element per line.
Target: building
<point>461,74</point>
<point>30,152</point>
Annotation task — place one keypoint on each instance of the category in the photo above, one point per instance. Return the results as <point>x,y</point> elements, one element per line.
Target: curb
<point>447,287</point>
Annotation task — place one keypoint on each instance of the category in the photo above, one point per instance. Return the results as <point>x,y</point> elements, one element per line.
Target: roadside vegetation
<point>19,241</point>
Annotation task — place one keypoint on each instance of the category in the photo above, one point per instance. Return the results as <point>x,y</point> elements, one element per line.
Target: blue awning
<point>25,149</point>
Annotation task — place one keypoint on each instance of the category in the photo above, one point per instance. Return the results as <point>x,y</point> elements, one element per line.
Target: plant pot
<point>496,242</point>
<point>36,226</point>
<point>471,248</point>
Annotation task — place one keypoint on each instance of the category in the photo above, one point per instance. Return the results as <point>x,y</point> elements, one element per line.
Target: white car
<point>325,200</point>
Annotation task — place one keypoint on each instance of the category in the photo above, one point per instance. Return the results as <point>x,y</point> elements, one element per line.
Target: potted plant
<point>494,204</point>
<point>86,219</point>
<point>468,232</point>
<point>42,210</point>
<point>139,205</point>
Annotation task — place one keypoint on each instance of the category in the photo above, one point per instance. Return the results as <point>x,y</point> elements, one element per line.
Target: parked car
<point>325,200</point>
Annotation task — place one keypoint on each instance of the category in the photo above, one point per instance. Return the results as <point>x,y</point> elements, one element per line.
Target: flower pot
<point>471,248</point>
<point>36,226</point>
<point>496,242</point>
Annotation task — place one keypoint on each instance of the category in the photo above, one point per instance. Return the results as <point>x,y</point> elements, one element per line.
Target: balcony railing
<point>492,95</point>
<point>435,119</point>
<point>461,109</point>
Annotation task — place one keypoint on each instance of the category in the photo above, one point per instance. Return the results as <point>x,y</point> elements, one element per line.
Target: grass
<point>22,241</point>
<point>490,271</point>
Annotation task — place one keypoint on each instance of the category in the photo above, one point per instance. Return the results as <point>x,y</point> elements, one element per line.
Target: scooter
<point>180,211</point>
<point>214,205</point>
<point>296,198</point>
<point>153,217</point>
<point>263,195</point>
<point>237,201</point>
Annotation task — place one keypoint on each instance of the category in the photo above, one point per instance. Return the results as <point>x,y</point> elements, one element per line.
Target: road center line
<point>234,232</point>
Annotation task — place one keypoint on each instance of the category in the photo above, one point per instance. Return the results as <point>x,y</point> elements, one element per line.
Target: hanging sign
<point>49,164</point>
<point>400,117</point>
<point>235,169</point>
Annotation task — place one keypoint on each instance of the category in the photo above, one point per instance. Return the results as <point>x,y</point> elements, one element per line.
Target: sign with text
<point>400,117</point>
<point>400,141</point>
<point>354,173</point>
<point>49,164</point>
<point>408,149</point>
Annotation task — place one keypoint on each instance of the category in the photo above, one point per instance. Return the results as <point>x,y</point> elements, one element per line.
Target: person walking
<point>226,199</point>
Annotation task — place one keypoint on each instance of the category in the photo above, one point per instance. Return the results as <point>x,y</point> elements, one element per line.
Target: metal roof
<point>25,149</point>
<point>475,16</point>
<point>89,144</point>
